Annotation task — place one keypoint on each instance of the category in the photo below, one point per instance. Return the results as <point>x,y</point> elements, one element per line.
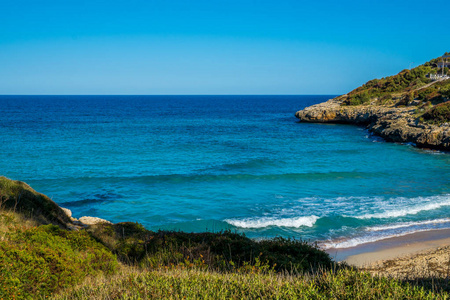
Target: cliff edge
<point>410,107</point>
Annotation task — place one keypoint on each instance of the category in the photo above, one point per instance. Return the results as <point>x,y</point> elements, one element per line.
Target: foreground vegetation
<point>41,260</point>
<point>126,261</point>
<point>200,284</point>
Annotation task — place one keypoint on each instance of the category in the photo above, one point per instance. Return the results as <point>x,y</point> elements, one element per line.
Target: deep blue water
<point>197,163</point>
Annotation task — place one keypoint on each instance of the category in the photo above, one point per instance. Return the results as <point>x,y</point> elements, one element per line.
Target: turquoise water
<point>244,163</point>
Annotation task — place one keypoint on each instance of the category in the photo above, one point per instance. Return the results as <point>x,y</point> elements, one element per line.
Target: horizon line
<point>2,95</point>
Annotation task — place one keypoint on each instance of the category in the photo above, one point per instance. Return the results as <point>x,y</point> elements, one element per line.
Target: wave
<point>210,175</point>
<point>83,202</point>
<point>92,199</point>
<point>296,222</point>
<point>250,164</point>
<point>408,224</point>
<point>356,241</point>
<point>396,212</point>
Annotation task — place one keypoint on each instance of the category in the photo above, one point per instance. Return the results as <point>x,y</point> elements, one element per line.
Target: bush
<point>406,99</point>
<point>41,260</point>
<point>438,114</point>
<point>405,81</point>
<point>223,250</point>
<point>358,99</point>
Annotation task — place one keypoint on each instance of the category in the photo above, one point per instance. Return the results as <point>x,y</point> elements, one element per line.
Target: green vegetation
<point>405,81</point>
<point>198,284</point>
<point>407,88</point>
<point>434,93</point>
<point>126,261</point>
<point>41,260</point>
<point>225,251</point>
<point>20,197</point>
<point>403,88</point>
<point>359,98</point>
<point>438,114</point>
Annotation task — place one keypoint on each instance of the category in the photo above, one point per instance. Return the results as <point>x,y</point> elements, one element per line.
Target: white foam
<point>296,222</point>
<point>353,242</point>
<point>408,224</point>
<point>401,212</point>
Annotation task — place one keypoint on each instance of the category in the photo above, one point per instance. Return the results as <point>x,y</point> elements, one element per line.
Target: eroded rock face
<point>392,123</point>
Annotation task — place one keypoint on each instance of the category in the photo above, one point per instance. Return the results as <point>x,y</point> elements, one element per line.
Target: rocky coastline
<point>394,124</point>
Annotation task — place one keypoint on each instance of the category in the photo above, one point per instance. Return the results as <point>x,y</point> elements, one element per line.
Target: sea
<point>213,163</point>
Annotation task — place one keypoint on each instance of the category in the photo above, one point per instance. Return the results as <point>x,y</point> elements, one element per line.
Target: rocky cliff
<point>395,124</point>
<point>410,107</point>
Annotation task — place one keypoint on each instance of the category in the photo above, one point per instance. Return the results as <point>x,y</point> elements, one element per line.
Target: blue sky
<point>213,47</point>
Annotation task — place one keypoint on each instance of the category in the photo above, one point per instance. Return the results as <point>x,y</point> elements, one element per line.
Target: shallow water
<point>244,163</point>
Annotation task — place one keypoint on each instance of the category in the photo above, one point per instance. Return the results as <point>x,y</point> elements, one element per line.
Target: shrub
<point>41,260</point>
<point>223,250</point>
<point>406,99</point>
<point>438,114</point>
<point>358,99</point>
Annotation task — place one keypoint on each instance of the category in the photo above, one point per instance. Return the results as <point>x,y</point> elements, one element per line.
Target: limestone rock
<point>93,220</point>
<point>392,123</point>
<point>67,211</point>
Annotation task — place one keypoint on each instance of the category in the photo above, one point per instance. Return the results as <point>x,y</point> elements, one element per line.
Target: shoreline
<point>392,123</point>
<point>394,248</point>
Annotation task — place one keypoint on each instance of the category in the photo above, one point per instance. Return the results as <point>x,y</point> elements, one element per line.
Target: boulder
<point>93,220</point>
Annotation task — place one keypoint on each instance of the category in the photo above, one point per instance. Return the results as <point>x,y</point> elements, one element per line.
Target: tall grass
<point>178,283</point>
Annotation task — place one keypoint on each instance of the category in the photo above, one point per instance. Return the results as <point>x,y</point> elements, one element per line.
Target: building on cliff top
<point>444,63</point>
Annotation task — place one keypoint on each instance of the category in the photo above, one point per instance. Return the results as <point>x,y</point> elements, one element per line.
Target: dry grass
<point>10,220</point>
<point>180,283</point>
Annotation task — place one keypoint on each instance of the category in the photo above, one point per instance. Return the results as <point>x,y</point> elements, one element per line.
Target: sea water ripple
<point>242,163</point>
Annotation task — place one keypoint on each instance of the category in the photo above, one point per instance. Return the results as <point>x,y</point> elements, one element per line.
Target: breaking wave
<point>356,241</point>
<point>430,203</point>
<point>271,221</point>
<point>408,224</point>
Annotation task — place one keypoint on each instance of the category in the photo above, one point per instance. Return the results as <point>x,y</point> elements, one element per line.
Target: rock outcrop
<point>19,197</point>
<point>395,124</point>
<point>93,221</point>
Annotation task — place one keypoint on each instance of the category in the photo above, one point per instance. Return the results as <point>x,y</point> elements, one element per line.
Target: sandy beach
<point>416,255</point>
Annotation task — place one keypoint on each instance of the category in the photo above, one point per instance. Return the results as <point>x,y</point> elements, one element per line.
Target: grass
<point>21,198</point>
<point>178,283</point>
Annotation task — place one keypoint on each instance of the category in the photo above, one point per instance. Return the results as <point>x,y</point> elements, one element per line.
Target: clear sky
<point>213,47</point>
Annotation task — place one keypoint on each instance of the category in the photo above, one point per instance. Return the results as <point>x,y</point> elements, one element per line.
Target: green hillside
<point>420,86</point>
